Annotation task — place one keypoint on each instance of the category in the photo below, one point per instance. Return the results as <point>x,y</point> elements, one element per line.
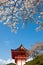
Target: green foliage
<point>11,64</point>
<point>36,61</point>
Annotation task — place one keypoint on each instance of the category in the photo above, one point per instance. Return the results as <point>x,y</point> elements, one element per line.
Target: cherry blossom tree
<point>37,49</point>
<point>16,12</point>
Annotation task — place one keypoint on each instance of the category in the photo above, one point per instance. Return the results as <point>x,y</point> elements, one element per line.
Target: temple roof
<point>21,51</point>
<point>21,48</point>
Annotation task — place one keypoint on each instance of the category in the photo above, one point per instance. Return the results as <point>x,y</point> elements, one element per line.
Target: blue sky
<point>9,40</point>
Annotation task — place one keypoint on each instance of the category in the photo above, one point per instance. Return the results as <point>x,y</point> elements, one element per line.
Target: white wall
<point>23,62</point>
<point>20,62</point>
